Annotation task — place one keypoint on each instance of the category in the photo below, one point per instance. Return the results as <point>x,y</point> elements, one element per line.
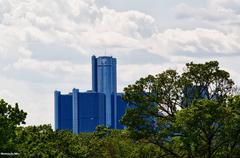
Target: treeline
<point>195,114</point>
<point>42,141</point>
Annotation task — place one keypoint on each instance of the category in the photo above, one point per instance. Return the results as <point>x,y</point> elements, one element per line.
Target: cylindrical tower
<point>106,83</point>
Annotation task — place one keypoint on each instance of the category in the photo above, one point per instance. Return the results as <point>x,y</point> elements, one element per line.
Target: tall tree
<point>213,83</point>
<point>10,118</point>
<point>155,100</point>
<point>209,129</point>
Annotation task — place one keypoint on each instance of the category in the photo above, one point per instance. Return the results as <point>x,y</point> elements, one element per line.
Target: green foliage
<point>217,81</point>
<point>168,110</point>
<point>42,141</point>
<point>10,118</point>
<point>152,98</point>
<point>208,129</point>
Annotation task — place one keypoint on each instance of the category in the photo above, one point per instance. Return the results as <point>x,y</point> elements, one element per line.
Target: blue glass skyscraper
<point>83,111</point>
<point>104,80</point>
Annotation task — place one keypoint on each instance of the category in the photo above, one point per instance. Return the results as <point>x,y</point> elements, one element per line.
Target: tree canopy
<point>186,115</point>
<point>10,118</point>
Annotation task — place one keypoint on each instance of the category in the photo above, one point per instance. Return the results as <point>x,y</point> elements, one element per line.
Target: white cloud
<point>224,12</point>
<point>131,23</point>
<point>129,73</point>
<point>195,42</point>
<point>230,5</point>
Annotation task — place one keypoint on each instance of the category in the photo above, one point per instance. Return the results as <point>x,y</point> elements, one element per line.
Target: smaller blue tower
<point>63,111</point>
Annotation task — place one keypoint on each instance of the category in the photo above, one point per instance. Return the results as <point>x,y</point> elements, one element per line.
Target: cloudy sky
<point>46,45</point>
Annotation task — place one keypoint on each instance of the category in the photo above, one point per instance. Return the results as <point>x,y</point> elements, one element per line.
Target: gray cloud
<point>53,52</point>
<point>217,11</point>
<point>140,57</point>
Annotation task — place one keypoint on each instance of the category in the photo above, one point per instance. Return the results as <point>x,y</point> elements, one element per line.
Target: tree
<point>155,101</point>
<point>42,141</point>
<point>209,129</point>
<point>151,98</point>
<point>215,82</point>
<point>10,118</point>
<point>118,144</point>
<point>233,128</point>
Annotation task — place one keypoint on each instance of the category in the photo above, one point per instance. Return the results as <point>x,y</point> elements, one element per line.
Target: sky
<point>47,45</point>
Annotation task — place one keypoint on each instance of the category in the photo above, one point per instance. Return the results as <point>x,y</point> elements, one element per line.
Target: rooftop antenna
<point>94,52</point>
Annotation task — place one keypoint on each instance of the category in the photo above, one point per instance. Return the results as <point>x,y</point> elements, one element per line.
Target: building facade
<point>83,111</point>
<point>105,81</point>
